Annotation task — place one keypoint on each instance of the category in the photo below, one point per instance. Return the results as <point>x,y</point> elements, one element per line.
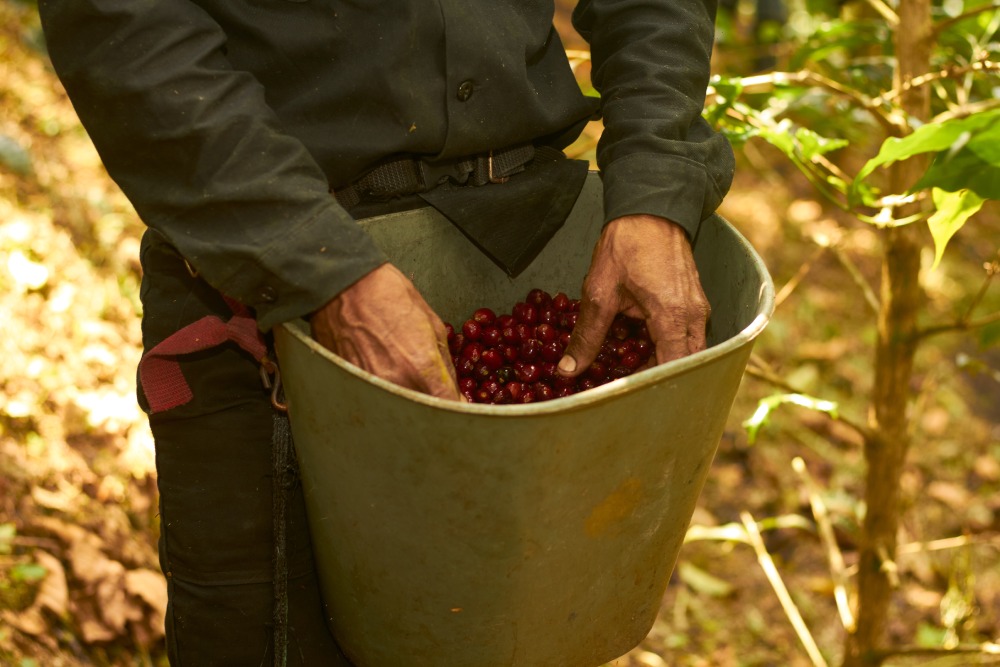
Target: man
<point>229,123</point>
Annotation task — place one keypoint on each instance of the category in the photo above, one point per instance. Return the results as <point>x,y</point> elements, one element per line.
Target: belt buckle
<point>436,174</point>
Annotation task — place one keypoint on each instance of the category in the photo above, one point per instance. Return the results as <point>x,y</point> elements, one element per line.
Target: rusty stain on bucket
<point>617,506</point>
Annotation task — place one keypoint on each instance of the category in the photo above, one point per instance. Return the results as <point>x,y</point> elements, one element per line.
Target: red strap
<point>160,372</point>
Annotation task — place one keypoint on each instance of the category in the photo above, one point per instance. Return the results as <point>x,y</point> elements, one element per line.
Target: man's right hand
<point>383,325</point>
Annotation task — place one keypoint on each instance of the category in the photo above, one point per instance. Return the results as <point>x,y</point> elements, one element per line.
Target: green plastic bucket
<point>545,534</point>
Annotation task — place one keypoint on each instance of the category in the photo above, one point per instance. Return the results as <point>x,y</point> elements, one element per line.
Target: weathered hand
<point>383,325</point>
<point>643,267</point>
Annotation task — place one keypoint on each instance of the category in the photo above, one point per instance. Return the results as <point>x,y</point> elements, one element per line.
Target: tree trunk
<point>901,299</point>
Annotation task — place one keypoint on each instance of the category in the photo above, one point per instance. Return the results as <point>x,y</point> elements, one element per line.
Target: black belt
<point>409,176</point>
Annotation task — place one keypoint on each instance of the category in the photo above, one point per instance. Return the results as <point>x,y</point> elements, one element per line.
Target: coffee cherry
<point>472,329</point>
<point>491,336</point>
<point>560,303</point>
<point>492,358</point>
<point>511,358</point>
<point>484,316</point>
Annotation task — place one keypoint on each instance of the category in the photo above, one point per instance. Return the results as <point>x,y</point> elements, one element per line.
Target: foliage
<point>838,91</point>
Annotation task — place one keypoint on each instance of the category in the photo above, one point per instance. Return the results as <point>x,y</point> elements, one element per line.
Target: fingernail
<point>567,364</point>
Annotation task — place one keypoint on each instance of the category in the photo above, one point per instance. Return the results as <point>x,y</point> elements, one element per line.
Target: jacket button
<point>267,294</point>
<point>464,91</point>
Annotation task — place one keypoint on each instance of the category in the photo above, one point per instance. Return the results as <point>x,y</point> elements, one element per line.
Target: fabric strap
<point>160,372</point>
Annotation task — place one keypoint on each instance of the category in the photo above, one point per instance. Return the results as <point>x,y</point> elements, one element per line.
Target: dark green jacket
<point>227,122</point>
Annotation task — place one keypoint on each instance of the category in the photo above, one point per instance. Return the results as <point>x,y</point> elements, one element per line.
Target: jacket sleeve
<point>195,147</point>
<point>651,61</point>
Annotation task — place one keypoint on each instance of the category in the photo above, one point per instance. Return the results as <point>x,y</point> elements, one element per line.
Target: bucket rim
<point>298,329</point>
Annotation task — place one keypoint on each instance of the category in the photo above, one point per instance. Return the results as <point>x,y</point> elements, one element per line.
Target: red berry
<point>548,316</point>
<point>511,353</point>
<point>546,333</point>
<point>484,316</point>
<point>539,298</point>
<point>528,396</point>
<point>552,351</point>
<point>560,303</point>
<point>530,349</point>
<point>631,360</point>
<point>596,371</point>
<point>515,389</point>
<point>491,336</point>
<point>472,351</point>
<point>504,321</point>
<point>501,397</point>
<point>466,385</point>
<point>483,371</point>
<point>456,343</point>
<point>567,321</point>
<point>585,384</point>
<point>465,367</point>
<point>490,386</point>
<point>525,312</point>
<point>510,334</point>
<point>562,392</point>
<point>620,371</point>
<point>543,392</point>
<point>472,329</point>
<point>492,358</point>
<point>620,329</point>
<point>529,373</point>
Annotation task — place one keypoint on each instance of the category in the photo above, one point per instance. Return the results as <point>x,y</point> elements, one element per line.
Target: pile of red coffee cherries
<point>512,358</point>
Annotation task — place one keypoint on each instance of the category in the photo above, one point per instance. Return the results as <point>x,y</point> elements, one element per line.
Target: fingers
<point>382,325</point>
<point>591,328</point>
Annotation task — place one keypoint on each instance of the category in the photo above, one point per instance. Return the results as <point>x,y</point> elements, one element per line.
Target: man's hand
<point>643,267</point>
<point>383,325</point>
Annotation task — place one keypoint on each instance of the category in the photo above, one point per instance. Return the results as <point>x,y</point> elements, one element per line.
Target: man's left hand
<point>642,267</point>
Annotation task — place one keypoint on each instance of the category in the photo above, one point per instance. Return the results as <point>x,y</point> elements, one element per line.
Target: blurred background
<point>79,580</point>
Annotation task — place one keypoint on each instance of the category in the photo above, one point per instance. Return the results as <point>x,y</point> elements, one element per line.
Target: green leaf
<point>953,209</point>
<point>964,170</point>
<point>767,405</point>
<point>974,132</point>
<point>989,335</point>
<point>7,534</point>
<point>799,144</point>
<point>28,572</point>
<point>703,582</point>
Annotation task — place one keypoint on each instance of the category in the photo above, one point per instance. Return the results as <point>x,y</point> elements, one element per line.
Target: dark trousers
<point>213,461</point>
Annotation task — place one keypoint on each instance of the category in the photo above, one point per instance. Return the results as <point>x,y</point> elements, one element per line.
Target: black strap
<point>409,176</point>
<point>283,465</point>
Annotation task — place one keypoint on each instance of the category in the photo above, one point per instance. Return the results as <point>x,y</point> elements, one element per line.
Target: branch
<point>986,648</point>
<point>765,82</point>
<point>965,322</point>
<point>859,279</point>
<point>774,577</point>
<point>829,539</point>
<point>924,79</point>
<point>947,23</point>
<point>988,539</point>
<point>960,325</point>
<point>966,110</point>
<point>763,373</point>
<point>789,287</point>
<point>891,17</point>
